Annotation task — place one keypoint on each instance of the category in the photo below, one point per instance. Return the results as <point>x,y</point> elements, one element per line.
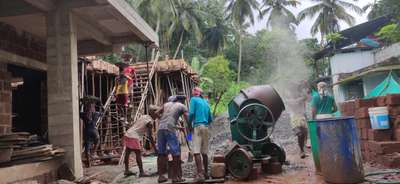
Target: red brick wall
<point>5,100</point>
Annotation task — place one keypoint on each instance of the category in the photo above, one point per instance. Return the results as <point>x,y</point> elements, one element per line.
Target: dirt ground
<point>297,171</point>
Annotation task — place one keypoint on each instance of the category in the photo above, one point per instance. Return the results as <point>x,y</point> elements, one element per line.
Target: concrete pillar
<point>62,82</point>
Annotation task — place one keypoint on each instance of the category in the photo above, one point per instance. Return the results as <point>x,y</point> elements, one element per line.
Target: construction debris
<point>22,147</point>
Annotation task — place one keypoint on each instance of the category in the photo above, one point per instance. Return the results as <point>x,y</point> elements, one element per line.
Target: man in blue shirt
<point>200,118</point>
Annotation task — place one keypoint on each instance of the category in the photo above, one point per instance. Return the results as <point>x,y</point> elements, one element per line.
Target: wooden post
<point>93,87</point>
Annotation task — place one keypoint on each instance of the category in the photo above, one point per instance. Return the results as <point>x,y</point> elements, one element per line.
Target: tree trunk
<point>322,41</point>
<point>240,57</point>
<point>216,103</point>
<point>179,46</point>
<point>153,52</point>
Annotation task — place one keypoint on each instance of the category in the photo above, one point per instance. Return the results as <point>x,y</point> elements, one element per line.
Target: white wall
<point>350,62</point>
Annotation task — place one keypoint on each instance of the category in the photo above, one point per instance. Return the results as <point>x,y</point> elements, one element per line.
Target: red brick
<point>365,103</point>
<point>217,170</point>
<point>391,160</point>
<point>393,99</point>
<point>348,108</point>
<point>395,122</point>
<point>394,110</point>
<point>5,75</point>
<point>7,108</point>
<point>5,119</point>
<point>364,134</point>
<point>379,135</point>
<point>362,113</point>
<point>364,123</point>
<point>381,101</point>
<point>5,97</point>
<point>218,159</point>
<point>4,129</point>
<point>385,147</point>
<point>396,134</point>
<point>7,86</point>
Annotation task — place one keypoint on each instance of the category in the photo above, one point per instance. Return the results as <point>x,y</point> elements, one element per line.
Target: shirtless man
<point>297,98</point>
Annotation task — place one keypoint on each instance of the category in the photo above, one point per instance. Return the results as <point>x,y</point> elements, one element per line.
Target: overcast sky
<point>303,29</point>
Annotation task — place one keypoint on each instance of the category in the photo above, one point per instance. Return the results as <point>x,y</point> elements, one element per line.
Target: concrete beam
<point>123,12</point>
<point>91,29</point>
<point>15,8</point>
<point>48,5</point>
<point>43,5</point>
<point>125,39</point>
<point>92,47</point>
<point>11,58</point>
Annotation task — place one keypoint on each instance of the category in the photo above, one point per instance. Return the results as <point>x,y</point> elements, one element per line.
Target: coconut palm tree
<point>329,12</point>
<point>215,36</point>
<point>187,21</point>
<point>159,14</point>
<point>278,13</point>
<point>239,12</point>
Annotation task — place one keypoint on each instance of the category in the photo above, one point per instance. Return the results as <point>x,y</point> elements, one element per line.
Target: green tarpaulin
<point>387,86</point>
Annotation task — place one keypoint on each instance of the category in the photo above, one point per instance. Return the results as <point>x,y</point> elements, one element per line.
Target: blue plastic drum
<point>339,150</point>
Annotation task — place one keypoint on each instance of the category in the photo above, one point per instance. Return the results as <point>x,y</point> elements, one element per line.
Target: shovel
<point>190,156</point>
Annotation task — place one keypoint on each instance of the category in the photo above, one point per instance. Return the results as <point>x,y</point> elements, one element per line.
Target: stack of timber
<point>22,147</point>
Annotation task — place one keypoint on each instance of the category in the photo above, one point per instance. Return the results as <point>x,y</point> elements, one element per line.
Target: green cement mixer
<point>253,114</point>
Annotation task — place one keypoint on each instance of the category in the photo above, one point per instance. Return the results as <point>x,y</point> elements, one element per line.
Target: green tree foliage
<point>230,93</point>
<point>384,7</point>
<point>329,14</point>
<point>279,15</point>
<point>334,38</point>
<point>217,69</point>
<point>240,11</point>
<point>390,33</point>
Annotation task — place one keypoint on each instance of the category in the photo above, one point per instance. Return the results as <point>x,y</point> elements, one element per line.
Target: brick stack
<point>5,100</point>
<point>381,146</point>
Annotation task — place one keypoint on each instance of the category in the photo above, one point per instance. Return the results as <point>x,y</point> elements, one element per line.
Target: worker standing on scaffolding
<point>132,138</point>
<point>130,72</point>
<point>122,93</point>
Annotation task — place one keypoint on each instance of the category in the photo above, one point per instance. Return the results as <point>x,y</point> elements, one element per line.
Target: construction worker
<point>132,138</point>
<point>90,132</point>
<point>166,136</point>
<point>199,119</point>
<point>322,105</point>
<point>296,101</point>
<point>122,93</point>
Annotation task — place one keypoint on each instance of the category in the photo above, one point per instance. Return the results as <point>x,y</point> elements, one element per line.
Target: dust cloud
<point>287,59</point>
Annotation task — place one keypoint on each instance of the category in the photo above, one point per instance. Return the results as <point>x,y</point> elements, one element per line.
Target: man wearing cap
<point>323,105</point>
<point>166,136</point>
<point>200,118</point>
<point>132,138</point>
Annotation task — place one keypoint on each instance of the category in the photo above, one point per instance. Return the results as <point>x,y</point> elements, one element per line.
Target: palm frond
<point>310,12</point>
<point>351,6</point>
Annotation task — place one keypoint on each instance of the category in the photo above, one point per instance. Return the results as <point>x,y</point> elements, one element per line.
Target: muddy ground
<point>297,171</point>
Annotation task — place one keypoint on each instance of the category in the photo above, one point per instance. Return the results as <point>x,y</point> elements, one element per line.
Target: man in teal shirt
<point>200,118</point>
<point>322,104</point>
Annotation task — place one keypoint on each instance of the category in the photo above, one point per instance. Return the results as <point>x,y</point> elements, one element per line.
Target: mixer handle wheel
<point>255,121</point>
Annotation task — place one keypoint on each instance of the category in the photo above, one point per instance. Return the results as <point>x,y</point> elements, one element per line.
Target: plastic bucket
<point>379,117</point>
<point>312,127</point>
<point>339,150</point>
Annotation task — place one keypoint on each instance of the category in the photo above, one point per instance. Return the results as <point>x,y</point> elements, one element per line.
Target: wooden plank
<point>28,150</point>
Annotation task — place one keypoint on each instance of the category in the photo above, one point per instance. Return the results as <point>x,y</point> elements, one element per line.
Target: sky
<point>303,29</point>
